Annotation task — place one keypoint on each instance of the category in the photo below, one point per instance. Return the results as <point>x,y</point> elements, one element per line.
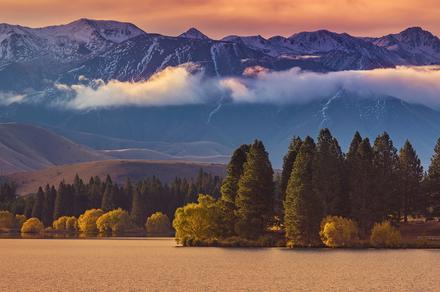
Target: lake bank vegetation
<point>371,196</point>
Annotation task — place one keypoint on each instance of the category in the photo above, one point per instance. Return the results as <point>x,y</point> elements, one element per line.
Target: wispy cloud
<point>178,86</point>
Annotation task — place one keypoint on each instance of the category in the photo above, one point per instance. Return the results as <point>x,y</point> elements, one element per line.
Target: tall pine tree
<point>362,186</point>
<point>385,201</point>
<point>433,182</point>
<point>38,208</point>
<point>329,166</point>
<point>410,176</point>
<point>255,196</point>
<point>303,209</point>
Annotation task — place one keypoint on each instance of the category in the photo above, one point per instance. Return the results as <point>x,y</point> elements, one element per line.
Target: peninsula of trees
<point>322,196</point>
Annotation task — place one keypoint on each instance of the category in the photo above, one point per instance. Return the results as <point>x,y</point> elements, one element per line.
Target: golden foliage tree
<point>116,221</point>
<point>32,225</point>
<point>87,221</point>
<point>385,235</point>
<point>337,231</point>
<point>66,224</point>
<point>158,223</point>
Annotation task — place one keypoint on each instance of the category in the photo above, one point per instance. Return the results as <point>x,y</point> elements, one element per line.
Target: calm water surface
<point>158,265</point>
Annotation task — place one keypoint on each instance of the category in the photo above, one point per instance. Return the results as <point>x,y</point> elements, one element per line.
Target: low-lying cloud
<point>179,86</point>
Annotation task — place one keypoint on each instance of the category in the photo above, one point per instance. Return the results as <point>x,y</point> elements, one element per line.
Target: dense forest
<point>372,185</point>
<point>141,199</point>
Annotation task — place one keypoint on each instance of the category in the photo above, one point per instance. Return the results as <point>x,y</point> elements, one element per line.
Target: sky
<point>218,18</point>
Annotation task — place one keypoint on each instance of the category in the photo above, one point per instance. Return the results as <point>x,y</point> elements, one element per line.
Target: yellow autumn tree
<point>65,224</point>
<point>116,221</point>
<point>338,232</point>
<point>87,221</point>
<point>385,235</point>
<point>199,221</point>
<point>7,220</point>
<point>32,225</point>
<point>158,223</point>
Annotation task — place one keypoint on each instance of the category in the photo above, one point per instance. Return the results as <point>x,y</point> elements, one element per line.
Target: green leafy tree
<point>410,173</point>
<point>255,196</point>
<point>199,222</point>
<point>138,209</point>
<point>303,209</point>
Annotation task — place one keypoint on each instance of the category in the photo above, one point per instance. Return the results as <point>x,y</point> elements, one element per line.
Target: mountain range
<point>33,60</point>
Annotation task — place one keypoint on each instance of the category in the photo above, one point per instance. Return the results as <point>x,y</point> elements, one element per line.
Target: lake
<point>157,265</point>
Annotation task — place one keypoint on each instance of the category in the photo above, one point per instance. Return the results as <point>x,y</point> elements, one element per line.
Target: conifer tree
<point>410,176</point>
<point>255,196</point>
<point>38,207</point>
<point>288,161</point>
<point>329,163</point>
<point>49,202</point>
<point>361,188</point>
<point>350,176</point>
<point>234,171</point>
<point>108,198</point>
<point>61,201</point>
<point>303,207</point>
<point>138,209</point>
<point>433,182</point>
<point>385,201</point>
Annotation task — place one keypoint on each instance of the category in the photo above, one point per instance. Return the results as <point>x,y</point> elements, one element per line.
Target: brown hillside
<point>28,182</point>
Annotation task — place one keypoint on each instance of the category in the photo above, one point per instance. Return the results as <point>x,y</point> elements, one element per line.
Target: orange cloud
<point>221,17</point>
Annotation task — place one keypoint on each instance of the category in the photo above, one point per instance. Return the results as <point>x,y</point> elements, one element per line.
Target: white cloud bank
<point>178,86</point>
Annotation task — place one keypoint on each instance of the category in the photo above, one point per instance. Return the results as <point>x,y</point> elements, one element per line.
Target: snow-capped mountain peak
<point>194,33</point>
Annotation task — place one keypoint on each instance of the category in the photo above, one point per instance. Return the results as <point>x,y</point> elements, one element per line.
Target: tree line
<point>371,183</point>
<point>140,199</point>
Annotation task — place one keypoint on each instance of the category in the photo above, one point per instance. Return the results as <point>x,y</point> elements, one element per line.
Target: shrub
<point>65,224</point>
<point>158,223</point>
<point>19,220</point>
<point>338,232</point>
<point>32,225</point>
<point>200,221</point>
<point>7,220</point>
<point>87,221</point>
<point>116,221</point>
<point>384,235</point>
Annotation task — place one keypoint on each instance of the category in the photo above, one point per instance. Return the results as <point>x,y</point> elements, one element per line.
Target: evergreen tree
<point>49,202</point>
<point>433,182</point>
<point>234,171</point>
<point>302,206</point>
<point>288,161</point>
<point>329,163</point>
<point>60,201</point>
<point>410,176</point>
<point>108,198</point>
<point>385,201</point>
<point>138,209</point>
<point>38,207</point>
<point>362,186</point>
<point>255,196</point>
